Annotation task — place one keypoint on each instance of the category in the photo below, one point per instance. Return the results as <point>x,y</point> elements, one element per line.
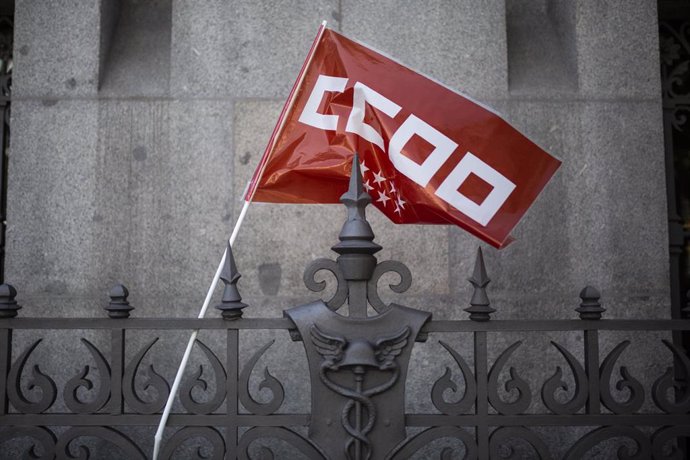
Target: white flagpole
<point>183,364</point>
<point>192,338</point>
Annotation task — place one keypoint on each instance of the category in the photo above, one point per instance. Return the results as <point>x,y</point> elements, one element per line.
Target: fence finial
<point>356,247</point>
<point>480,309</point>
<point>231,304</point>
<point>118,307</point>
<point>8,306</point>
<point>590,308</point>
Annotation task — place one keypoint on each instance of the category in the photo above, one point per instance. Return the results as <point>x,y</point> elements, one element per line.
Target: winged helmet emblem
<point>338,352</point>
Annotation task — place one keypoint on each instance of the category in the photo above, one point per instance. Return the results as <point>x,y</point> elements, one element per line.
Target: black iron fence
<point>482,406</point>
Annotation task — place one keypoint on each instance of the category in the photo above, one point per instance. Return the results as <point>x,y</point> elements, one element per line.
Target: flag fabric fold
<point>428,154</point>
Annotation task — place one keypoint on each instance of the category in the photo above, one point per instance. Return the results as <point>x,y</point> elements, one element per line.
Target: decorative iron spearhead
<point>231,304</point>
<point>480,309</point>
<point>356,247</point>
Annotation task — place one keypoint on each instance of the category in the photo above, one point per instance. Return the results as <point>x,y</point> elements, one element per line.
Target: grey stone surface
<point>50,229</point>
<point>542,54</point>
<point>110,15</point>
<point>618,49</point>
<point>138,59</point>
<point>57,46</point>
<point>455,42</point>
<point>224,48</point>
<point>146,203</point>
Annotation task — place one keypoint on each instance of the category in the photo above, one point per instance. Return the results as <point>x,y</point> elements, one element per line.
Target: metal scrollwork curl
<point>445,383</point>
<point>643,446</point>
<point>186,396</point>
<point>329,265</point>
<point>38,380</point>
<point>269,382</point>
<point>154,380</point>
<point>381,269</point>
<point>70,392</point>
<point>411,445</point>
<point>45,441</point>
<point>305,446</point>
<point>636,396</point>
<point>207,433</point>
<point>662,386</point>
<point>66,442</point>
<point>501,435</point>
<point>553,384</point>
<point>665,434</point>
<point>524,394</point>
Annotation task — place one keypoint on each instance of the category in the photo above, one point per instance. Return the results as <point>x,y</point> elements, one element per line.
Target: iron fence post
<point>482,406</point>
<point>231,402</point>
<point>5,359</point>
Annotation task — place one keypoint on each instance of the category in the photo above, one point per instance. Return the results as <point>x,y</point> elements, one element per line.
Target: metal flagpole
<point>192,338</point>
<point>251,188</point>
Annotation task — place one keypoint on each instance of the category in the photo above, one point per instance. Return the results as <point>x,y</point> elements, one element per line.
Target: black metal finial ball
<point>590,308</point>
<point>118,307</point>
<point>8,306</point>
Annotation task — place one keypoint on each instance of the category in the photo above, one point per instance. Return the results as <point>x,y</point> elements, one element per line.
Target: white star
<point>378,178</point>
<point>401,202</point>
<point>397,209</point>
<point>363,167</point>
<point>383,198</point>
<point>367,186</point>
<point>392,191</point>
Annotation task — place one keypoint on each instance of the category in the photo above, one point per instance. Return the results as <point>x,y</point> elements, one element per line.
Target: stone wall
<point>135,126</point>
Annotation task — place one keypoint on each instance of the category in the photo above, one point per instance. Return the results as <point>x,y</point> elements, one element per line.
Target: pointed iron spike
<point>479,276</point>
<point>480,309</point>
<point>355,193</point>
<point>229,273</point>
<point>231,304</point>
<point>356,176</point>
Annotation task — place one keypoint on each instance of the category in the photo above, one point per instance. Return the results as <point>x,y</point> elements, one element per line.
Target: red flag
<point>428,154</point>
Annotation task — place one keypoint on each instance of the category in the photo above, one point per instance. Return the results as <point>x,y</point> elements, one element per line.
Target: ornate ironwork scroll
<point>445,383</point>
<point>82,380</point>
<point>634,387</point>
<point>515,384</point>
<point>269,382</point>
<point>207,433</point>
<point>198,382</point>
<point>153,381</point>
<point>555,383</point>
<point>38,381</point>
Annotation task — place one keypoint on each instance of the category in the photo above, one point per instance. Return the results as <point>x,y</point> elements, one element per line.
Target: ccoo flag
<point>429,155</point>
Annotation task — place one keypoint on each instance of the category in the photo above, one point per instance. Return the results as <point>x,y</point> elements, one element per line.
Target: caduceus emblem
<point>359,356</point>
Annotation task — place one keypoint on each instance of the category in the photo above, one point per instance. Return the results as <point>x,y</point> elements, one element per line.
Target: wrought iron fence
<point>358,366</point>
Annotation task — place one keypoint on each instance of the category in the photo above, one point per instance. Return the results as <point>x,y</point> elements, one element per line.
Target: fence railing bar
<point>648,325</point>
<point>243,420</point>
<point>546,420</point>
<point>591,345</point>
<point>482,404</point>
<point>117,357</point>
<point>5,359</point>
<point>231,400</point>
